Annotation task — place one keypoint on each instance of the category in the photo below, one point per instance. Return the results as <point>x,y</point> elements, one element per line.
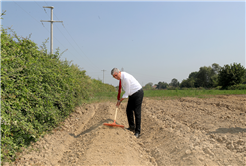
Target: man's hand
<point>118,103</point>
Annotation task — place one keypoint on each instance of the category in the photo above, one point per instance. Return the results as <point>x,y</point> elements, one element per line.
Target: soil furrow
<point>186,131</point>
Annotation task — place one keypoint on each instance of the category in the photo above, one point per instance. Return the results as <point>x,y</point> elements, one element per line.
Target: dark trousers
<point>134,105</point>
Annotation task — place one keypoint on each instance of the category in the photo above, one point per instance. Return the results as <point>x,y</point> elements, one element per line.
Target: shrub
<point>237,87</point>
<point>218,87</point>
<point>38,91</point>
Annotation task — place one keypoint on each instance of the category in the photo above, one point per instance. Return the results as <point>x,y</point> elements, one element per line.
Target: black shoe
<point>130,129</point>
<point>137,135</point>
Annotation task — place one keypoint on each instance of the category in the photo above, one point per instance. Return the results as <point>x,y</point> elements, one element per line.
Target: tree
<point>244,80</point>
<point>232,74</point>
<point>148,86</point>
<point>187,83</point>
<point>174,83</point>
<point>214,80</point>
<point>204,77</point>
<point>193,75</point>
<point>216,68</point>
<point>162,85</point>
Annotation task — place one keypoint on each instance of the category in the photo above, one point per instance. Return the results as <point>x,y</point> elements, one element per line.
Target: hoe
<point>114,123</point>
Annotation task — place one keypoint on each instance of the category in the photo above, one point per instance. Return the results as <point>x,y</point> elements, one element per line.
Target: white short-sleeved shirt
<point>129,84</point>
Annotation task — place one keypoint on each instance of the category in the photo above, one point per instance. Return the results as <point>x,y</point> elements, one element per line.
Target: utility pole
<point>103,75</point>
<point>51,26</point>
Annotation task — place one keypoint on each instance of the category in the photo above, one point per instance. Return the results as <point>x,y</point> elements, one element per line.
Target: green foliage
<point>162,85</point>
<point>188,83</point>
<point>174,83</point>
<point>244,80</point>
<point>205,77</point>
<point>3,13</point>
<point>237,87</point>
<point>148,86</point>
<point>38,91</point>
<point>216,68</point>
<point>99,86</point>
<point>230,75</point>
<point>218,88</point>
<point>173,88</point>
<point>193,75</point>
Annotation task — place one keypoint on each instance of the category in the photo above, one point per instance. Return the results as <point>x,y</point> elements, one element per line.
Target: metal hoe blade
<point>114,123</point>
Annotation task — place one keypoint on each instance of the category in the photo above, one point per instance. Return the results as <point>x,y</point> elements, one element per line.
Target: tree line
<point>210,77</point>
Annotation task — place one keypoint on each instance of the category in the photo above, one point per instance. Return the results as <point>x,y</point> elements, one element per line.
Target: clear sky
<point>153,41</point>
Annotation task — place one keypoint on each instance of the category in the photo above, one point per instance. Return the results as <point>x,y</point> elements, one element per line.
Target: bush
<point>218,87</point>
<point>38,91</point>
<point>237,87</point>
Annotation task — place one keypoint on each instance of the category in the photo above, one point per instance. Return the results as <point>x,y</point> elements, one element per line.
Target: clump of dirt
<point>185,131</point>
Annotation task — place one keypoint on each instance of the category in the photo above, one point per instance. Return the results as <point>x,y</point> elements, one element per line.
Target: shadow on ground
<point>229,130</point>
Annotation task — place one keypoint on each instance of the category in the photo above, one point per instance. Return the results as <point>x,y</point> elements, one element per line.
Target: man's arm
<point>127,91</point>
<point>119,101</point>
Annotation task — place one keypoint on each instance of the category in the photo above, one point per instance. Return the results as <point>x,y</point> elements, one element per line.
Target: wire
<point>26,12</point>
<point>31,16</point>
<point>60,32</point>
<point>46,3</point>
<point>66,39</point>
<point>71,38</point>
<point>37,3</point>
<point>78,45</point>
<point>38,21</point>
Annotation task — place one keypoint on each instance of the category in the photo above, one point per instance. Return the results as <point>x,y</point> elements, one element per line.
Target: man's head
<point>116,73</point>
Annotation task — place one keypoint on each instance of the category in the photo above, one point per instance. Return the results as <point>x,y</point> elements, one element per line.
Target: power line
<point>51,26</point>
<point>72,39</point>
<point>43,24</point>
<point>26,12</point>
<point>71,44</point>
<point>60,32</point>
<point>37,3</point>
<point>46,3</point>
<point>77,45</point>
<point>38,21</point>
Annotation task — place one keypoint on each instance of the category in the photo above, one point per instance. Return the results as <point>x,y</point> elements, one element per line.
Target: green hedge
<point>38,91</point>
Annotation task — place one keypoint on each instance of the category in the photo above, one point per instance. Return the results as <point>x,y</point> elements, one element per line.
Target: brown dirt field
<point>185,131</point>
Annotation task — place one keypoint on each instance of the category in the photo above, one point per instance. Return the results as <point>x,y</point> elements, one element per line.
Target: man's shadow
<point>232,130</point>
<point>92,128</point>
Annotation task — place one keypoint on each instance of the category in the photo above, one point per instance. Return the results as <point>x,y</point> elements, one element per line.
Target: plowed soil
<point>185,131</point>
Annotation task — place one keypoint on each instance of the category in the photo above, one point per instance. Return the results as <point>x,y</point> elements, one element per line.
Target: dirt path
<point>188,131</point>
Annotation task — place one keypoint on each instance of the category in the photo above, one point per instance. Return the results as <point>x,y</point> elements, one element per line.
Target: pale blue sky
<point>153,41</point>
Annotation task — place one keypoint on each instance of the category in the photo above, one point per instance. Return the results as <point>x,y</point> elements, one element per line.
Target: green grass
<point>190,93</point>
<point>103,96</point>
<point>168,94</point>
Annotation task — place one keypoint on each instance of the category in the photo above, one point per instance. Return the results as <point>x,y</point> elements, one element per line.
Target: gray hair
<point>114,70</point>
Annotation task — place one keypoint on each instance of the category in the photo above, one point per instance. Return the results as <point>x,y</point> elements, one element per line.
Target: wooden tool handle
<point>116,113</point>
